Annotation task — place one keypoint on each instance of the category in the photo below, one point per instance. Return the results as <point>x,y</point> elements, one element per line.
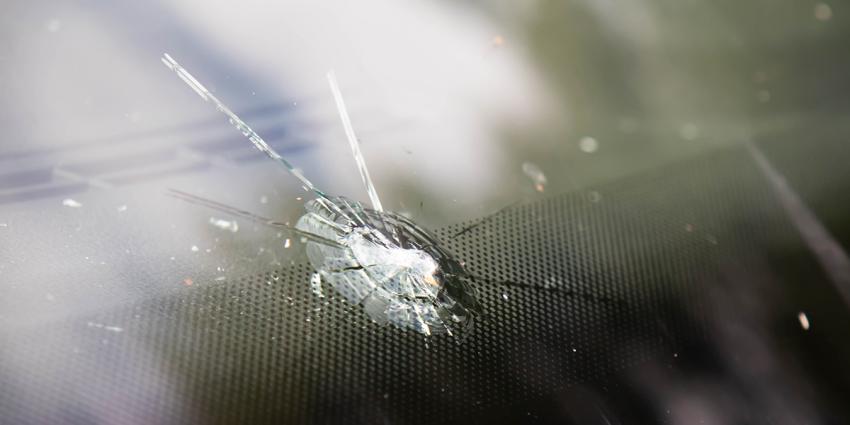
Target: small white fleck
<point>4,225</point>
<point>505,296</point>
<point>105,327</point>
<point>264,199</point>
<point>804,320</point>
<point>628,125</point>
<point>194,248</point>
<point>68,202</point>
<point>689,131</point>
<point>54,25</point>
<point>823,12</point>
<point>574,350</point>
<point>588,144</point>
<point>233,226</point>
<point>122,208</point>
<point>174,258</point>
<point>220,278</point>
<point>286,243</point>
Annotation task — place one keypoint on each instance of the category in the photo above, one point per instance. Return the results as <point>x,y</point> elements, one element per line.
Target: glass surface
<point>681,163</point>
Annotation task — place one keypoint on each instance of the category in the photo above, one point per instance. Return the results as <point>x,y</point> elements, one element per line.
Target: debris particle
<point>628,125</point>
<point>105,327</point>
<point>122,208</point>
<point>689,227</point>
<point>4,225</point>
<point>804,320</point>
<point>220,279</point>
<point>194,248</point>
<point>70,203</point>
<point>505,296</point>
<point>264,199</point>
<point>588,144</point>
<point>823,12</point>
<point>53,25</point>
<point>689,131</point>
<point>188,281</point>
<point>535,174</point>
<point>286,243</point>
<point>233,226</point>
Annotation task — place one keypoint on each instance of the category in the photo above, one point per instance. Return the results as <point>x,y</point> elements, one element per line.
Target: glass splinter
<point>354,143</point>
<point>240,125</point>
<point>395,270</point>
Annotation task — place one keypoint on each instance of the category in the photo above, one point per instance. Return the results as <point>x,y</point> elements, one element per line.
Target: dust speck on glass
<point>395,270</point>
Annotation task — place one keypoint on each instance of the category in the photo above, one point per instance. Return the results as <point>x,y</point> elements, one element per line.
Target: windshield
<point>428,212</point>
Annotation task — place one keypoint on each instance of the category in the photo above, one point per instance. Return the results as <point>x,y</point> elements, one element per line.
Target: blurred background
<point>683,161</point>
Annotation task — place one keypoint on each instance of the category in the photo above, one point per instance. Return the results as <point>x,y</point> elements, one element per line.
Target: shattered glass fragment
<point>390,266</point>
<point>379,260</point>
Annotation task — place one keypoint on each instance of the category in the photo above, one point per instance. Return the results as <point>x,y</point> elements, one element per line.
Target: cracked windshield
<point>578,212</point>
